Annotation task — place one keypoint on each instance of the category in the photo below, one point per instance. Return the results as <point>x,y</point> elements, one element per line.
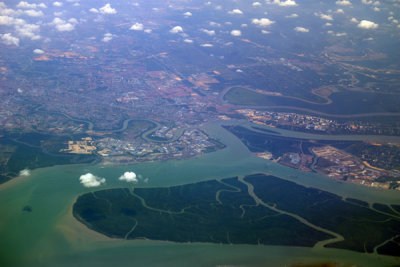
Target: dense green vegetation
<point>135,128</point>
<point>357,201</point>
<point>260,142</point>
<point>265,130</point>
<point>279,145</point>
<point>390,248</point>
<point>396,207</point>
<point>342,102</point>
<point>212,211</point>
<point>31,151</point>
<point>384,208</point>
<point>224,212</point>
<point>362,227</point>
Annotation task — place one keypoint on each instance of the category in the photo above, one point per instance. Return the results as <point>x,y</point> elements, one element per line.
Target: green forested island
<point>257,209</point>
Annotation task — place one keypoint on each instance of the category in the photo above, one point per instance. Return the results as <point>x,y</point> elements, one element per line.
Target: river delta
<point>48,234</point>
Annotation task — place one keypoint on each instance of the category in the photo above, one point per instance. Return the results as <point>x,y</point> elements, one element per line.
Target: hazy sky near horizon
<point>38,24</point>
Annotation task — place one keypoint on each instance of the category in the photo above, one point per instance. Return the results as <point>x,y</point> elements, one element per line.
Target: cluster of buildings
<point>83,146</point>
<point>339,165</point>
<point>192,142</point>
<point>302,122</point>
<point>296,160</point>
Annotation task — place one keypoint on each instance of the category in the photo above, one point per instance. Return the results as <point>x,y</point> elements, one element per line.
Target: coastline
<point>75,231</point>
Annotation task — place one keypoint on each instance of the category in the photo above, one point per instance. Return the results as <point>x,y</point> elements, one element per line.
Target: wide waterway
<point>50,236</point>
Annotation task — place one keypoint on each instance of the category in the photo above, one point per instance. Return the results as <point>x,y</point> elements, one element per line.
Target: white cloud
<point>147,30</point>
<point>58,4</point>
<point>63,26</point>
<point>338,34</point>
<point>73,20</point>
<point>24,4</point>
<point>107,37</point>
<point>263,22</point>
<point>25,172</point>
<point>107,9</point>
<point>323,16</point>
<point>137,27</point>
<point>8,39</point>
<point>90,180</point>
<point>256,4</point>
<point>7,20</point>
<point>236,12</point>
<point>209,32</point>
<point>28,30</point>
<point>366,24</point>
<point>8,11</point>
<point>214,24</point>
<point>38,51</point>
<point>236,33</point>
<point>33,13</point>
<point>129,177</point>
<point>188,41</point>
<point>301,29</point>
<point>176,29</point>
<point>343,3</point>
<point>67,27</point>
<point>285,3</point>
<point>354,20</point>
<point>377,9</point>
<point>367,2</point>
<point>328,24</point>
<point>94,10</point>
<point>292,16</point>
<point>265,32</point>
<point>370,2</point>
<point>339,11</point>
<point>187,14</point>
<point>206,45</point>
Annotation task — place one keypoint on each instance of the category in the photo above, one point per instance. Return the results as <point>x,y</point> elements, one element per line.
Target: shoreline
<point>72,229</point>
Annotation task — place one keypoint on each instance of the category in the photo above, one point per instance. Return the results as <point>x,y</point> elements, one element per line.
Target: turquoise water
<point>49,235</point>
